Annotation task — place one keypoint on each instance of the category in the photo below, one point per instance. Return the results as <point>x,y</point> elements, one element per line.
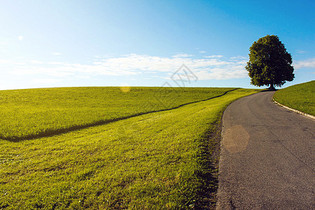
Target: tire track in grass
<point>50,132</point>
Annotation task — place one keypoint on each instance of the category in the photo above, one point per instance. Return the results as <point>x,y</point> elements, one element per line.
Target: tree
<point>269,63</point>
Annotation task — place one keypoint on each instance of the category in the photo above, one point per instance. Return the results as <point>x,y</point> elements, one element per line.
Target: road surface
<point>267,156</point>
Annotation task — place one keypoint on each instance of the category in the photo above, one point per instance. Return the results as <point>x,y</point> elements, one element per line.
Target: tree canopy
<point>269,62</point>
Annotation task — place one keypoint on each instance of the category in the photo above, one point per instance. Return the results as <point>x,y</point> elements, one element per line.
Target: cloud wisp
<point>207,67</point>
<point>133,67</point>
<point>309,63</point>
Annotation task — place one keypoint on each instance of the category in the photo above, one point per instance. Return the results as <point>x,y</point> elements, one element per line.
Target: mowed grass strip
<point>300,97</point>
<point>35,113</point>
<point>155,161</point>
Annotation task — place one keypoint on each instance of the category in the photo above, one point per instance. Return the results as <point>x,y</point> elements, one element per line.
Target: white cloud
<point>144,63</point>
<point>202,51</point>
<point>20,38</point>
<point>56,53</point>
<point>3,43</point>
<point>238,58</point>
<point>222,74</point>
<point>182,55</point>
<point>309,63</point>
<point>214,56</point>
<point>46,81</point>
<point>209,67</point>
<point>301,51</point>
<point>4,61</point>
<point>36,62</point>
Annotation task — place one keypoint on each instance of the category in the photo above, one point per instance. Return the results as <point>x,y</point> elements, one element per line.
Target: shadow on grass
<point>54,132</point>
<point>205,182</point>
<point>267,90</point>
<point>209,168</point>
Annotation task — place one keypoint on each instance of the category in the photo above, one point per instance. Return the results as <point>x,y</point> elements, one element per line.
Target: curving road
<point>267,157</point>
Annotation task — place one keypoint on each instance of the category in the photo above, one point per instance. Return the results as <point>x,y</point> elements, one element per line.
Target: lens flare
<point>125,89</point>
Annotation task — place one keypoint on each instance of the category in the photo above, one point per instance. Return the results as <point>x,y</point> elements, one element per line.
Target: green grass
<point>35,113</point>
<point>300,97</point>
<point>160,160</point>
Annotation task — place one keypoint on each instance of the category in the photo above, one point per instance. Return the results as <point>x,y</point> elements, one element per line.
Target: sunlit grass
<point>41,112</point>
<point>155,161</point>
<point>300,97</point>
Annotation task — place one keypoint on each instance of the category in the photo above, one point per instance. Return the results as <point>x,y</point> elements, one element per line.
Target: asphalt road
<point>267,156</point>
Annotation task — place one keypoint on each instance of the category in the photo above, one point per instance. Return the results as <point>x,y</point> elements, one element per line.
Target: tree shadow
<point>269,90</point>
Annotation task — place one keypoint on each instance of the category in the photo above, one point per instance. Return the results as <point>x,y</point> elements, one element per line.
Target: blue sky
<point>144,42</point>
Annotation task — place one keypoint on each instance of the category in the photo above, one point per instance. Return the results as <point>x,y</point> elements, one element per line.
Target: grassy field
<point>300,97</point>
<point>43,112</point>
<point>161,160</point>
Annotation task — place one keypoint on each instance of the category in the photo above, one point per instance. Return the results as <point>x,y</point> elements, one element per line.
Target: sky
<point>191,43</point>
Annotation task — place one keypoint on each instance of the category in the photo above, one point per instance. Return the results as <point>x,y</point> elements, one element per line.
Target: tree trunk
<point>272,87</point>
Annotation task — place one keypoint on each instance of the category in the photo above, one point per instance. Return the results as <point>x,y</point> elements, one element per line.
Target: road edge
<point>294,110</point>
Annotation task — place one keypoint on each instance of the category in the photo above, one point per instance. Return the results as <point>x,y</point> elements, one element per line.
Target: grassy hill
<point>42,112</point>
<point>160,160</point>
<point>300,97</point>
